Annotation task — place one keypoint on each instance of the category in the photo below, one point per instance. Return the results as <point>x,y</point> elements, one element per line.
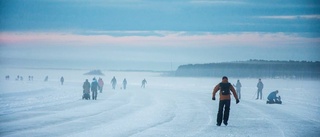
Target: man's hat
<point>225,77</point>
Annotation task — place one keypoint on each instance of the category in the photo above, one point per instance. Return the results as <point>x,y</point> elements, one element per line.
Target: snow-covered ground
<point>168,106</point>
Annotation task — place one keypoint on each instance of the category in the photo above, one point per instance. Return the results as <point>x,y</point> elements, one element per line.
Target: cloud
<point>160,38</point>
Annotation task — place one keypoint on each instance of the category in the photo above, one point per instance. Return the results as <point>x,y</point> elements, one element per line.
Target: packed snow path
<point>168,106</point>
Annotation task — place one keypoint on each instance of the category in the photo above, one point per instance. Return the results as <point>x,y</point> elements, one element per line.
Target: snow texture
<point>167,107</point>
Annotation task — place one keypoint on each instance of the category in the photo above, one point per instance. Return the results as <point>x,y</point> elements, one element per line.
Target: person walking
<point>143,83</point>
<point>86,90</point>
<point>94,89</point>
<point>101,83</point>
<point>260,87</point>
<point>238,88</point>
<point>225,100</point>
<point>61,80</point>
<point>124,83</point>
<point>46,78</point>
<point>114,82</point>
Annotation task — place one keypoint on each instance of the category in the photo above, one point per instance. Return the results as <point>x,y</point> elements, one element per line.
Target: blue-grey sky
<point>150,34</point>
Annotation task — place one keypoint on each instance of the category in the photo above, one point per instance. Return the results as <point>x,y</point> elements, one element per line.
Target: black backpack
<point>225,88</point>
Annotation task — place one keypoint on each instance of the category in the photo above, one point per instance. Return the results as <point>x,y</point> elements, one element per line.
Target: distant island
<point>94,72</point>
<point>253,69</point>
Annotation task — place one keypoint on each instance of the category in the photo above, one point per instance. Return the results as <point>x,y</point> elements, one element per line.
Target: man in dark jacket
<point>94,89</point>
<point>260,87</point>
<point>86,90</point>
<point>225,98</point>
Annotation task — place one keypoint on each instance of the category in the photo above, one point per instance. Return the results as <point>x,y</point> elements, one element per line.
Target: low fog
<point>130,57</point>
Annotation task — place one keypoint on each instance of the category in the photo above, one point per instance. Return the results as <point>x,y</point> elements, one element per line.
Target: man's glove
<point>237,101</point>
<point>213,98</point>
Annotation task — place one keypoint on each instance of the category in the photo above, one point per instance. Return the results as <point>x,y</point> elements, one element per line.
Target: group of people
<point>271,97</point>
<point>61,79</point>
<point>259,91</point>
<point>124,83</point>
<point>20,78</point>
<point>98,85</point>
<point>224,104</point>
<point>7,77</point>
<point>93,87</point>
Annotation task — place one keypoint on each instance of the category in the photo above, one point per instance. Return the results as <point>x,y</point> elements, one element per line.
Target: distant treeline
<point>253,69</point>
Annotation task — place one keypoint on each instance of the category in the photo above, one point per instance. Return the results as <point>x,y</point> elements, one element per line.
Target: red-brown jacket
<point>224,97</point>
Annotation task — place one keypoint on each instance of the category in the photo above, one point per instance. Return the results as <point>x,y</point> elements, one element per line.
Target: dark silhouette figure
<point>94,89</point>
<point>260,87</point>
<point>143,83</point>
<point>86,90</point>
<point>225,98</point>
<point>46,78</point>
<point>30,78</point>
<point>124,83</point>
<point>61,80</point>
<point>114,82</point>
<point>7,77</point>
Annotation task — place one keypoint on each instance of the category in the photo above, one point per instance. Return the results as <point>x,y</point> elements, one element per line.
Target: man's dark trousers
<point>225,115</point>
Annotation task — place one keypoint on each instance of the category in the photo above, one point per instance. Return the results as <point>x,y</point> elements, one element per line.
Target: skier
<point>94,88</point>
<point>62,80</point>
<point>238,88</point>
<point>260,87</point>
<point>272,98</point>
<point>7,77</point>
<point>224,102</point>
<point>86,90</point>
<point>101,83</point>
<point>114,82</point>
<point>30,78</point>
<point>47,78</point>
<point>124,83</point>
<point>143,83</point>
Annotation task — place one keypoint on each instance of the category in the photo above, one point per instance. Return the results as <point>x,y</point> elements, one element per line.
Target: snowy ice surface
<point>168,106</point>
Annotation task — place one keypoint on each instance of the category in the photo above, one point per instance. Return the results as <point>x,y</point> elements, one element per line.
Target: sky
<point>155,35</point>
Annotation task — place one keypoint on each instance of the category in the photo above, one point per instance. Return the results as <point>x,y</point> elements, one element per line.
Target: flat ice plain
<point>167,107</point>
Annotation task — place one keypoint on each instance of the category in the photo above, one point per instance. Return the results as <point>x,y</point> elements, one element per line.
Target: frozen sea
<point>167,107</point>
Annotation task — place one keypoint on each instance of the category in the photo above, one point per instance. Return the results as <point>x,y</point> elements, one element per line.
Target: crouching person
<point>272,98</point>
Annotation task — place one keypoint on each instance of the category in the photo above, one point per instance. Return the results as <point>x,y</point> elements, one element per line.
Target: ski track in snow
<point>171,107</point>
